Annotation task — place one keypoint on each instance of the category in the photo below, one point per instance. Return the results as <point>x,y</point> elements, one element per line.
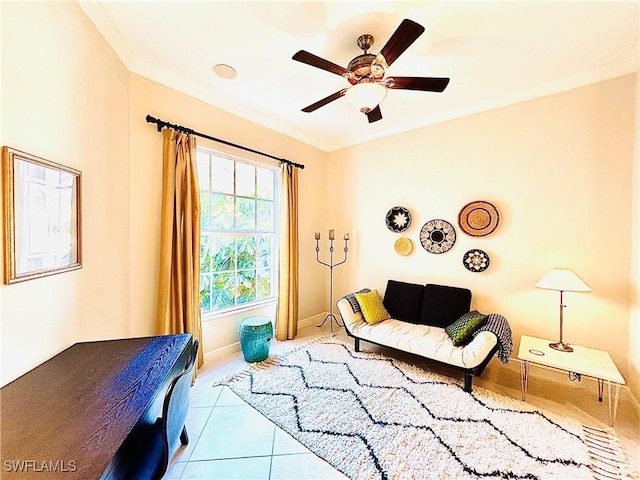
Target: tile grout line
<point>273,447</point>
<point>188,460</point>
<point>201,432</point>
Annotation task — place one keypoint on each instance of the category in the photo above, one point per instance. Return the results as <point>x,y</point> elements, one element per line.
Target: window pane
<point>202,160</point>
<point>245,214</point>
<point>264,283</point>
<point>265,183</point>
<point>222,175</point>
<point>205,292</point>
<point>205,253</point>
<point>223,293</point>
<point>265,216</point>
<point>205,211</point>
<point>246,252</point>
<point>246,286</point>
<point>245,180</point>
<point>223,253</point>
<point>221,211</point>
<point>264,252</point>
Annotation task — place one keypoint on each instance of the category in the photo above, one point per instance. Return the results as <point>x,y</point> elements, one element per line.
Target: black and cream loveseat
<point>419,317</point>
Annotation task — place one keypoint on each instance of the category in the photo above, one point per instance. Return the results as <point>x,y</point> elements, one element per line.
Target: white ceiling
<point>495,52</point>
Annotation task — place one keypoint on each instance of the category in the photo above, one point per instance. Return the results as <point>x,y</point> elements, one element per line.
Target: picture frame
<point>41,217</point>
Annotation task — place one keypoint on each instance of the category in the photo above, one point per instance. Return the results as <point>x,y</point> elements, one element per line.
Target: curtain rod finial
<point>151,119</point>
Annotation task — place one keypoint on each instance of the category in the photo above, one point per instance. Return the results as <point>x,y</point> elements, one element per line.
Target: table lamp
<point>562,280</point>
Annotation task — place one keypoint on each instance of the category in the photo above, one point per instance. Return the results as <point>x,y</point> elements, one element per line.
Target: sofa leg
<point>467,382</point>
<point>356,342</point>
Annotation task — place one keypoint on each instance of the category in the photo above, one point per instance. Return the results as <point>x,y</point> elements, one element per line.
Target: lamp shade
<point>366,96</point>
<point>564,280</point>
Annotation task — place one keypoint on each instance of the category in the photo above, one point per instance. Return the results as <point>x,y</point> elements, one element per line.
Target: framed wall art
<point>41,217</point>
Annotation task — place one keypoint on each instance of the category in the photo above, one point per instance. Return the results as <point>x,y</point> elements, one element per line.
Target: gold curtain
<point>179,275</point>
<point>287,324</point>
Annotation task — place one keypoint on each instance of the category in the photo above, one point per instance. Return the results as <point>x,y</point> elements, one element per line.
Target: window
<point>238,224</point>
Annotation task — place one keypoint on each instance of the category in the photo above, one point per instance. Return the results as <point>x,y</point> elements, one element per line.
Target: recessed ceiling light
<point>224,71</point>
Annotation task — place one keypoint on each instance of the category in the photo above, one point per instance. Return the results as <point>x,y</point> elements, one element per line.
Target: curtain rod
<point>180,128</point>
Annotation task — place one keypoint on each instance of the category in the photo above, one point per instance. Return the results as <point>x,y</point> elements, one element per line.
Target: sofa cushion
<point>442,305</point>
<point>403,300</point>
<point>461,331</point>
<point>351,298</point>
<point>372,308</point>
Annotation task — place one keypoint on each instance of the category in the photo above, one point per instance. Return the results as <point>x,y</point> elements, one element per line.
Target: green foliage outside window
<point>238,233</point>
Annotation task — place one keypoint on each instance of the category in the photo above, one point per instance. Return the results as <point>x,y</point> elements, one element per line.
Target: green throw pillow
<point>463,329</point>
<point>372,308</point>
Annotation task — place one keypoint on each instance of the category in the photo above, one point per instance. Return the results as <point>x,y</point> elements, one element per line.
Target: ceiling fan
<point>366,72</point>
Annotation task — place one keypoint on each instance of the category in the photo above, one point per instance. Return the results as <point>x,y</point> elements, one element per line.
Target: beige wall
<point>65,98</point>
<point>148,97</point>
<point>559,170</point>
<point>633,378</point>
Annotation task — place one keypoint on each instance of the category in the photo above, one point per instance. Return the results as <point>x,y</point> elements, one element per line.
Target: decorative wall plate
<point>437,236</point>
<point>479,218</point>
<point>403,246</point>
<point>398,219</point>
<point>476,260</point>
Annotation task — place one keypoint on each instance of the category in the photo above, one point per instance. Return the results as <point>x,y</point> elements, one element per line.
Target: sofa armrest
<point>351,320</point>
<point>474,352</point>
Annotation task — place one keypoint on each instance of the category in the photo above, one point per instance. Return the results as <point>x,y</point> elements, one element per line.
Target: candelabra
<point>331,317</point>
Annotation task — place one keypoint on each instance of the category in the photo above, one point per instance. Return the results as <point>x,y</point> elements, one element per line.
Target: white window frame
<point>212,314</point>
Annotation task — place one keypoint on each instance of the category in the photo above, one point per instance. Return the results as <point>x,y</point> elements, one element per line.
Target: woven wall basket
<point>478,218</point>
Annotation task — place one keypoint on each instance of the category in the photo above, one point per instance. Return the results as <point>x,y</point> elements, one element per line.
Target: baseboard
<point>561,375</point>
<point>312,320</point>
<point>514,363</point>
<point>226,350</point>
<point>550,371</point>
<point>235,347</point>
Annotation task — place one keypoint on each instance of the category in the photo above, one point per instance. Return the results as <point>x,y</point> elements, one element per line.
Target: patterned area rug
<point>374,417</point>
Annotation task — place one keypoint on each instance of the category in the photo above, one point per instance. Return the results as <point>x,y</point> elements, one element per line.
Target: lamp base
<point>561,347</point>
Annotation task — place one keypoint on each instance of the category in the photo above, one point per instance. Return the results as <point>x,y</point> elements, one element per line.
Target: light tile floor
<point>228,439</point>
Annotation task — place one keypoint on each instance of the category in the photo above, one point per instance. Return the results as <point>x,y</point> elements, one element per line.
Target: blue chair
<point>169,431</point>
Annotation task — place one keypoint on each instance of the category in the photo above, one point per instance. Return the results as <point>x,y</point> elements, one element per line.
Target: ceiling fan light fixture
<point>366,96</point>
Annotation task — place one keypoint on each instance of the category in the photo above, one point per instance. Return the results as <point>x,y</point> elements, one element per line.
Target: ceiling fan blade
<point>426,84</point>
<point>374,115</point>
<point>315,61</point>
<point>402,38</point>
<point>324,101</point>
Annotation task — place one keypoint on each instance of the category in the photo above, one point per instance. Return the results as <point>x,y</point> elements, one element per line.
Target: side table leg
<point>524,377</point>
<point>600,389</point>
<point>613,409</point>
